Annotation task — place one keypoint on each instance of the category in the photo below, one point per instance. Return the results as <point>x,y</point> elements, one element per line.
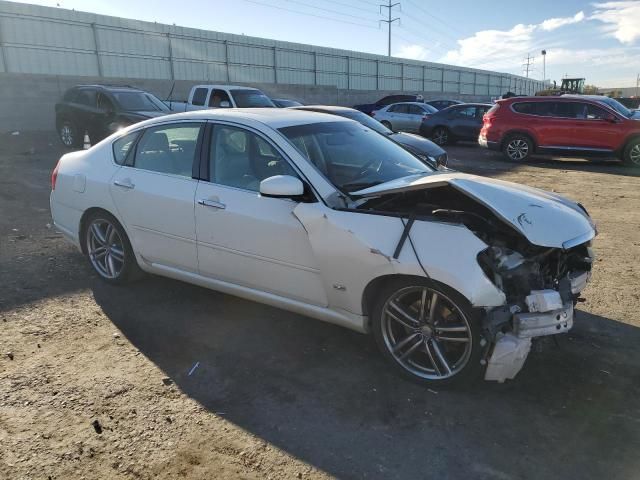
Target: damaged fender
<point>366,246</point>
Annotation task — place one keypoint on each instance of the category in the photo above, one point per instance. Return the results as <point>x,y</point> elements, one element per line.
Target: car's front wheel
<point>108,248</point>
<point>631,154</point>
<point>428,331</point>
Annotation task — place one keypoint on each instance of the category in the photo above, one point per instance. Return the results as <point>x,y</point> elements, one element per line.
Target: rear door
<point>399,116</point>
<point>463,122</point>
<point>154,194</point>
<point>414,117</point>
<point>557,124</point>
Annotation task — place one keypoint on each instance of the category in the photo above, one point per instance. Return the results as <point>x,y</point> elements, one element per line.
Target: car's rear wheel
<point>108,248</point>
<point>428,331</point>
<point>386,124</point>
<point>69,134</point>
<point>631,154</point>
<point>517,148</point>
<point>440,136</point>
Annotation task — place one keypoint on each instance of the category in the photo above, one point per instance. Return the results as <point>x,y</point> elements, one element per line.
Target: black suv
<point>100,110</point>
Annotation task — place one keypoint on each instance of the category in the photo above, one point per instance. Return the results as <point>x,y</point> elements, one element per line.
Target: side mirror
<point>225,104</point>
<point>281,186</point>
<point>441,160</point>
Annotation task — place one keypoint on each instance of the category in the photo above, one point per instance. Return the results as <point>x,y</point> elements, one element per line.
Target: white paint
<point>508,357</point>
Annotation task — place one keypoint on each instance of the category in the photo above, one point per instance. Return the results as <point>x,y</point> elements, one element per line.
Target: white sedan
<point>453,274</point>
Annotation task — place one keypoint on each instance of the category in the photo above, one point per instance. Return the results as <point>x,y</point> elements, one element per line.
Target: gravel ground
<point>161,379</point>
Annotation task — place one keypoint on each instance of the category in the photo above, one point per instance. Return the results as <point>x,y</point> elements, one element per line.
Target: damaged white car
<point>453,274</point>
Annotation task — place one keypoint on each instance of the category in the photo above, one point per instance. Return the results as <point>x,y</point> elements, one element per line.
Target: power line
<point>311,14</point>
<point>389,20</point>
<point>329,10</point>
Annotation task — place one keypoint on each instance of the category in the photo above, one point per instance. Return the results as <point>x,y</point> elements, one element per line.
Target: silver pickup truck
<point>222,96</point>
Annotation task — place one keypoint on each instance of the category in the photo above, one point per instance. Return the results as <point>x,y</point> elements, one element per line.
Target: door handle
<point>125,184</point>
<point>211,203</point>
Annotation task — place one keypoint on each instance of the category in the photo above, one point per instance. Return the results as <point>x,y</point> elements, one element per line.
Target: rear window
<point>524,107</point>
<point>122,147</point>
<point>199,96</point>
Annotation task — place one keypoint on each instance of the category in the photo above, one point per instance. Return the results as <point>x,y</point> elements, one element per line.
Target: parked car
<point>442,104</point>
<point>100,110</point>
<point>222,96</point>
<point>285,102</point>
<point>452,273</point>
<point>460,122</point>
<point>406,116</point>
<point>388,100</point>
<point>568,124</point>
<point>423,148</point>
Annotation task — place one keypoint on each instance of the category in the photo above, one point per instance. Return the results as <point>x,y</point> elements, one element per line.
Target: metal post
<point>2,54</point>
<point>173,76</point>
<point>402,77</point>
<point>442,80</point>
<point>97,50</point>
<point>377,74</point>
<point>348,73</point>
<point>315,68</point>
<point>424,74</point>
<point>275,65</point>
<point>637,84</point>
<point>226,60</point>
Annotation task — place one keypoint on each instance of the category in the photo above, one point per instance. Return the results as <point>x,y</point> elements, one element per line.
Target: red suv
<point>568,124</point>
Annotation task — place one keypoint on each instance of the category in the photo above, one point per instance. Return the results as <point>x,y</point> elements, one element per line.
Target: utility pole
<point>637,84</point>
<point>544,65</point>
<point>528,64</point>
<point>389,21</point>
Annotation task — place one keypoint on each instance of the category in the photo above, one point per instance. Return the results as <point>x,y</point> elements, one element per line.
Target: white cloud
<point>621,19</point>
<point>413,52</point>
<point>553,23</point>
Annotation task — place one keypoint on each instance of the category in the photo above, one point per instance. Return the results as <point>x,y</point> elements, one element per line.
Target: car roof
<point>225,87</point>
<point>552,98</point>
<point>272,117</point>
<point>458,105</point>
<point>111,88</point>
<point>406,103</point>
<point>326,108</point>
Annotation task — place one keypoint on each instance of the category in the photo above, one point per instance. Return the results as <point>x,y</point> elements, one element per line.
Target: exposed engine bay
<point>541,284</point>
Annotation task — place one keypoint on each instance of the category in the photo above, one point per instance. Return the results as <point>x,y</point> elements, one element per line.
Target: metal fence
<point>44,40</point>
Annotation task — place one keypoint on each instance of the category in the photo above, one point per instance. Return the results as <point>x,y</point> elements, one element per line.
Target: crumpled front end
<point>542,288</point>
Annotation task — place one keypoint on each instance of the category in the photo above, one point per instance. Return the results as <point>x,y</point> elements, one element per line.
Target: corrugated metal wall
<point>44,40</point>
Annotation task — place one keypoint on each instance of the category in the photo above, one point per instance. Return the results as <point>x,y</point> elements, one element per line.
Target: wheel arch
<point>83,223</point>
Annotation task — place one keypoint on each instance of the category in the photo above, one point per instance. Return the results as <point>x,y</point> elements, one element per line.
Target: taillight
<point>54,176</point>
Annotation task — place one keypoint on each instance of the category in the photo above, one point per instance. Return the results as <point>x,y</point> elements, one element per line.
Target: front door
<point>245,238</point>
<point>155,193</point>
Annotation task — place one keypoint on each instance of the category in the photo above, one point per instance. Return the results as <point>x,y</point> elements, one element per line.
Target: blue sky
<point>596,40</point>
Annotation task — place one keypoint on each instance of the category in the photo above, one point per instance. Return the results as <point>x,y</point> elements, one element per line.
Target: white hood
<point>544,218</point>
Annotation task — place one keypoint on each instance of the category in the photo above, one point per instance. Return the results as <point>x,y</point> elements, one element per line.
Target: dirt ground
<point>183,382</point>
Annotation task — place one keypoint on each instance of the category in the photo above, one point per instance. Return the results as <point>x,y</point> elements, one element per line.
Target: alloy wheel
<point>66,135</point>
<point>517,149</point>
<point>634,154</point>
<point>105,248</point>
<point>426,333</point>
<point>440,136</point>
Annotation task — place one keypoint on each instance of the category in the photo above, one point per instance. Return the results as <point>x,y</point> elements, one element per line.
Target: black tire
<point>127,267</point>
<point>631,154</point>
<point>69,134</point>
<point>517,148</point>
<point>386,124</point>
<point>461,365</point>
<point>441,136</point>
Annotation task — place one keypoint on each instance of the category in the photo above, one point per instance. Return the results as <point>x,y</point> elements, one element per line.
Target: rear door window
<point>466,112</point>
<point>400,108</point>
<point>168,149</point>
<point>199,96</point>
<point>525,107</point>
<point>217,97</point>
<point>416,110</point>
<point>86,97</point>
<point>122,147</point>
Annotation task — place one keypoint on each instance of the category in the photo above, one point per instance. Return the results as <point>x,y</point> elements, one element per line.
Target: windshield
<point>251,99</point>
<point>365,120</point>
<point>352,156</point>
<point>139,102</point>
<point>616,105</point>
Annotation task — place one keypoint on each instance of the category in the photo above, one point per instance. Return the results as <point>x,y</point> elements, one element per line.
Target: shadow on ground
<point>324,395</point>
